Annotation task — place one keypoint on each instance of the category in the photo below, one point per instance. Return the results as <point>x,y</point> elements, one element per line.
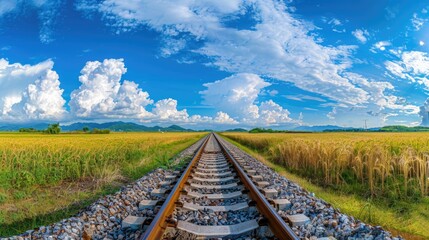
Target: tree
<point>28,130</point>
<point>100,131</point>
<point>53,128</point>
<point>85,129</point>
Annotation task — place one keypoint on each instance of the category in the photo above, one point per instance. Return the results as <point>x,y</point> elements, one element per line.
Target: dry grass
<point>391,165</point>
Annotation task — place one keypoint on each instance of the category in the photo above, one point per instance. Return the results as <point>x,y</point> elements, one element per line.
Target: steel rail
<point>277,225</point>
<point>159,224</point>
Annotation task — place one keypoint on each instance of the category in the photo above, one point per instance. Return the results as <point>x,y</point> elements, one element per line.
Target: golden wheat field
<point>385,163</point>
<point>42,173</point>
<point>382,178</point>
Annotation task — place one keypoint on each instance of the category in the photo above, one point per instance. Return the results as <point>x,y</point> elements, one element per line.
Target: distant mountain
<point>124,127</point>
<point>333,128</point>
<point>236,130</point>
<point>318,128</point>
<point>16,127</point>
<point>113,126</point>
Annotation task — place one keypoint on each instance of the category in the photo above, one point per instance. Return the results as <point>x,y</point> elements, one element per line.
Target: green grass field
<point>44,178</point>
<point>380,178</point>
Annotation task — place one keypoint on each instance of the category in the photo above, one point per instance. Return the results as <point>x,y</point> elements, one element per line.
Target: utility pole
<point>366,128</point>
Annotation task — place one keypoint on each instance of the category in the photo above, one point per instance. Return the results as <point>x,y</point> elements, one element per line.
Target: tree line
<point>56,129</point>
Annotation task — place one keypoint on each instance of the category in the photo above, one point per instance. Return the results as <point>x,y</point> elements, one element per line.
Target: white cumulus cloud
<point>166,109</point>
<point>103,95</point>
<point>237,95</point>
<point>30,92</point>
<point>272,113</point>
<point>224,118</point>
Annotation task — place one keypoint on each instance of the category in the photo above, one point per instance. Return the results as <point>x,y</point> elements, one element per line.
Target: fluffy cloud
<point>412,65</point>
<point>272,113</point>
<point>169,16</point>
<point>395,68</point>
<point>361,35</point>
<point>277,46</point>
<point>281,46</point>
<point>102,95</point>
<point>224,118</point>
<point>30,92</point>
<point>379,109</point>
<point>380,100</point>
<point>237,95</point>
<point>166,109</point>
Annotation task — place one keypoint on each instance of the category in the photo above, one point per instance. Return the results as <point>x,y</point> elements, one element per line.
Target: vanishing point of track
<point>215,183</point>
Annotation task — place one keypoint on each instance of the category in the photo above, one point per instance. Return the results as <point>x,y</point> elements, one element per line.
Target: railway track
<point>216,197</point>
<point>222,193</point>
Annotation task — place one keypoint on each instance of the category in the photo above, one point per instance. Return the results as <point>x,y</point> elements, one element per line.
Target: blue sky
<point>215,63</point>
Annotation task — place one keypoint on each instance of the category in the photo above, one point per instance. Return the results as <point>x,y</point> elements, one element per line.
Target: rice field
<point>41,173</point>
<point>389,165</point>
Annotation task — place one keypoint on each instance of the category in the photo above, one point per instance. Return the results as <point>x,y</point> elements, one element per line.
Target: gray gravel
<point>215,202</point>
<point>214,191</point>
<point>206,171</point>
<point>211,218</point>
<point>177,234</point>
<point>215,183</point>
